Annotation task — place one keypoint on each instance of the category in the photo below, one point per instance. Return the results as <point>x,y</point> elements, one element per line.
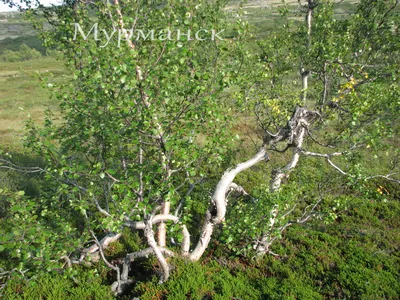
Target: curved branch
<point>104,242</point>
<point>387,177</point>
<point>237,188</point>
<point>218,199</point>
<point>116,287</point>
<point>156,219</point>
<point>279,174</point>
<point>147,252</point>
<point>216,212</point>
<point>100,209</point>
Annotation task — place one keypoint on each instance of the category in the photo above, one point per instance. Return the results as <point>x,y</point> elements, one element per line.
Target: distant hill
<point>14,31</point>
<point>13,25</point>
<point>262,14</point>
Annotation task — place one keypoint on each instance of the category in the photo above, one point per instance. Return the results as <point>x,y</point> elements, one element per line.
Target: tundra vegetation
<point>271,158</point>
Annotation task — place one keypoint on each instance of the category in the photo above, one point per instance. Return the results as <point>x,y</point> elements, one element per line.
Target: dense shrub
<point>32,41</point>
<point>24,53</point>
<point>194,281</point>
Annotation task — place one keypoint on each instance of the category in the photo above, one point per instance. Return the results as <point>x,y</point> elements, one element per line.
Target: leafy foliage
<point>24,53</point>
<point>35,233</point>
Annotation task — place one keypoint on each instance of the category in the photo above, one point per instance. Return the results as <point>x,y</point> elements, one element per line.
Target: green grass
<point>22,95</point>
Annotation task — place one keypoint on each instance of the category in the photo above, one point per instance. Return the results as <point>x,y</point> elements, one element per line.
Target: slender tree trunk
<point>303,71</point>
<point>162,228</point>
<point>304,85</point>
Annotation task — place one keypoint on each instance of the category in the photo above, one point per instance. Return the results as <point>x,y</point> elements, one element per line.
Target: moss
<point>196,281</point>
<point>86,286</point>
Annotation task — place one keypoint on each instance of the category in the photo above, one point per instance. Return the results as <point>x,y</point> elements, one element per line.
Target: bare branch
<point>104,242</point>
<point>262,246</point>
<point>327,157</point>
<point>100,248</point>
<point>147,252</point>
<point>100,209</point>
<point>117,287</point>
<point>336,167</point>
<point>387,177</point>
<point>11,166</point>
<point>6,275</point>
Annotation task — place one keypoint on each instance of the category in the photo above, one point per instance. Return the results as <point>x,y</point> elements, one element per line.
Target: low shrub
<point>23,54</point>
<point>86,286</point>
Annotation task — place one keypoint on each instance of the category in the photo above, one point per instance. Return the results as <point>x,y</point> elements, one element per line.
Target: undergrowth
<point>354,257</point>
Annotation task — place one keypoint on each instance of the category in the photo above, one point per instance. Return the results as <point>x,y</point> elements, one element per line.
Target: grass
<point>22,95</point>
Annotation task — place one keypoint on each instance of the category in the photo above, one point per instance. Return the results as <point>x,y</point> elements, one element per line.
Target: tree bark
<point>148,232</point>
<point>162,228</point>
<point>279,174</point>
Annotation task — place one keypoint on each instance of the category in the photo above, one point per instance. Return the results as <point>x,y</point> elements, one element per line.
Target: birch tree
<point>325,88</point>
<point>146,119</point>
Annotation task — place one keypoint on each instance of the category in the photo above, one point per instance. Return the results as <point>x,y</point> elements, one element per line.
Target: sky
<point>5,8</point>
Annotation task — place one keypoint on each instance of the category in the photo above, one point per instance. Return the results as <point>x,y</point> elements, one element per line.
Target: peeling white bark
<point>162,229</point>
<point>304,80</point>
<point>218,199</point>
<point>295,131</point>
<point>148,232</point>
<point>186,241</point>
<point>309,21</point>
<point>237,188</point>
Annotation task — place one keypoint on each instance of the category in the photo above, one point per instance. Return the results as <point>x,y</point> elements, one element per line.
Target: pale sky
<point>4,7</point>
